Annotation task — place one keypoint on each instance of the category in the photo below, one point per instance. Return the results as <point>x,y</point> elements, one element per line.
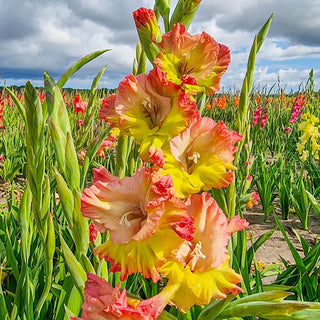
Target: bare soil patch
<point>276,246</point>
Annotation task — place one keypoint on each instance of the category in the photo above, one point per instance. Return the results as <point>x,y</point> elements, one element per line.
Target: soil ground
<point>276,246</point>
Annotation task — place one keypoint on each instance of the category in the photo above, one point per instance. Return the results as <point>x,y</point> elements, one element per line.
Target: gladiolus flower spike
<point>157,223</point>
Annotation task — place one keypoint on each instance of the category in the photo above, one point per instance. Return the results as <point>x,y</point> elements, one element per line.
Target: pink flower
<point>80,122</point>
<point>93,232</point>
<point>253,200</point>
<point>102,301</point>
<point>249,178</point>
<point>200,271</point>
<point>288,130</point>
<point>263,121</point>
<point>213,232</point>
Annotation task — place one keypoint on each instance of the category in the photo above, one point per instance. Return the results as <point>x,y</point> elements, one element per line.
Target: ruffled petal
<point>141,256</point>
<point>108,112</point>
<point>103,302</point>
<point>213,230</point>
<point>194,62</point>
<point>200,156</point>
<point>186,288</point>
<point>152,110</point>
<point>130,208</point>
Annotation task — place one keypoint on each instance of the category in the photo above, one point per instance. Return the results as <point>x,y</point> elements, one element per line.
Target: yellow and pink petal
<point>194,62</point>
<point>130,208</point>
<point>200,156</point>
<point>186,288</point>
<point>144,256</point>
<point>208,249</point>
<point>152,110</point>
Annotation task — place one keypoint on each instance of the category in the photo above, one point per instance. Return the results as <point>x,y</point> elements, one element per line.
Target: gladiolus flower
<point>222,102</point>
<point>297,109</point>
<point>263,121</point>
<point>236,101</point>
<point>138,212</point>
<point>150,109</point>
<point>41,96</point>
<point>198,158</point>
<point>147,24</point>
<point>194,62</point>
<point>253,200</point>
<point>81,155</point>
<point>109,142</point>
<point>93,232</point>
<point>79,105</point>
<point>102,301</point>
<point>288,130</point>
<point>200,271</point>
<point>148,31</point>
<point>107,111</point>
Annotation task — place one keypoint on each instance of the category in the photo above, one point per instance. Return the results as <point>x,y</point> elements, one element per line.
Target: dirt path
<point>276,246</point>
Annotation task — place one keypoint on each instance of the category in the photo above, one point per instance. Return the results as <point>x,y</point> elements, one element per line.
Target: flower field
<point>133,203</point>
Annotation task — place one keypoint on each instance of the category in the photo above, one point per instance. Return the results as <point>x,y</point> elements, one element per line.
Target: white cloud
<point>52,35</point>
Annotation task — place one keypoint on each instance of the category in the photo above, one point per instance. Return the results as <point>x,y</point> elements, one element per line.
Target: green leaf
<point>59,143</point>
<point>87,264</point>
<point>315,204</point>
<point>264,32</point>
<point>267,309</point>
<point>78,273</point>
<point>80,229</point>
<point>92,150</point>
<point>66,197</point>
<point>78,65</point>
<point>19,105</point>
<point>74,304</point>
<point>97,78</point>
<point>71,164</point>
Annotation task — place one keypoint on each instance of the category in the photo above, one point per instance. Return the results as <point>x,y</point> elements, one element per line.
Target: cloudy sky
<point>51,35</point>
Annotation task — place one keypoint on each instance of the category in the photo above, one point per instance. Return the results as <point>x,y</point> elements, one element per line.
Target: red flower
<point>93,232</point>
<point>79,105</point>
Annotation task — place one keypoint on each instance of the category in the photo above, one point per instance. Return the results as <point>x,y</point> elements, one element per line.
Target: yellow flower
<point>304,156</point>
<point>186,288</point>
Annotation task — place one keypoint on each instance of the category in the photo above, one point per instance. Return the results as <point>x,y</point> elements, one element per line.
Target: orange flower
<point>209,106</point>
<point>200,157</point>
<point>222,102</point>
<point>236,101</point>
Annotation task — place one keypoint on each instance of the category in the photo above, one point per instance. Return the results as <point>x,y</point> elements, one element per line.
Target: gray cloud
<point>51,35</point>
<point>295,20</point>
